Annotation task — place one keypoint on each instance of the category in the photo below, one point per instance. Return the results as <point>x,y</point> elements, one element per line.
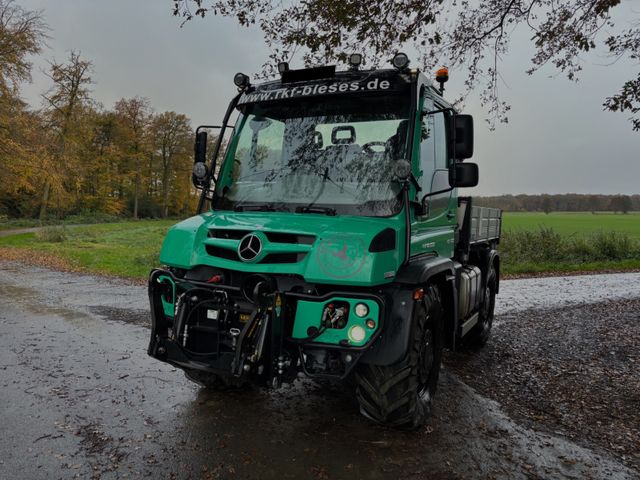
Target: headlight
<point>356,334</point>
<point>361,310</point>
<point>199,170</point>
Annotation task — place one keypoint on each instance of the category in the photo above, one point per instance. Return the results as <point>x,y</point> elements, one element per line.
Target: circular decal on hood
<point>341,256</point>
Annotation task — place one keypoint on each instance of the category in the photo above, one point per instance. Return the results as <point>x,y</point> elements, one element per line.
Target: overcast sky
<point>558,139</point>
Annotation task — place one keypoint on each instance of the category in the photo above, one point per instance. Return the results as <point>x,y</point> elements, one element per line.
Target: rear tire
<point>480,333</point>
<point>401,395</point>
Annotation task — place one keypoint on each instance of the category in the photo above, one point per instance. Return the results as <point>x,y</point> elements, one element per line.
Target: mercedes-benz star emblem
<point>249,248</point>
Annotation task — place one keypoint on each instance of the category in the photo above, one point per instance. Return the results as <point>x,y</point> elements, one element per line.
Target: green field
<point>571,223</point>
<point>569,242</point>
<point>532,243</point>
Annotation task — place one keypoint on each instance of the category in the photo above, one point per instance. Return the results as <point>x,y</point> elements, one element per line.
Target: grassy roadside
<point>544,250</point>
<point>130,249</point>
<point>88,219</point>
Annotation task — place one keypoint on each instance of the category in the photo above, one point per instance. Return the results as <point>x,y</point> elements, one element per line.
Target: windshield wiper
<point>263,207</point>
<point>312,209</point>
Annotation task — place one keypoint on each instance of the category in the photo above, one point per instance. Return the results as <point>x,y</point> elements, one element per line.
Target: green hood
<point>320,248</point>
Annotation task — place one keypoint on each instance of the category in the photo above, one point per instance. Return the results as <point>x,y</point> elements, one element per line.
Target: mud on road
<point>80,398</point>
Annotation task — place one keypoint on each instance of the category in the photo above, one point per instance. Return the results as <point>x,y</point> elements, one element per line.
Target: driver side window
<point>434,160</point>
<point>427,149</point>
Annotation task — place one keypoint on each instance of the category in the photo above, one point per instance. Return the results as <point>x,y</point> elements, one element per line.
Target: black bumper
<point>166,345</point>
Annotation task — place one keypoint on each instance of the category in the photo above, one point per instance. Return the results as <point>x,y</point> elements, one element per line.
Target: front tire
<point>401,395</point>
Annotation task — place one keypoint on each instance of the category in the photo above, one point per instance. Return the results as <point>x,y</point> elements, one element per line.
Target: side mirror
<point>199,173</point>
<point>200,148</point>
<point>463,125</point>
<point>463,175</point>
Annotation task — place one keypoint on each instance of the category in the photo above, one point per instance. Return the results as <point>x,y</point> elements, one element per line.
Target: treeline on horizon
<point>565,202</point>
<point>73,156</point>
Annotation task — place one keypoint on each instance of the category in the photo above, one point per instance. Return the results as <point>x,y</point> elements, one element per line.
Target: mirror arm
<point>414,180</point>
<point>216,151</point>
<point>202,127</point>
<point>437,192</point>
<point>440,110</point>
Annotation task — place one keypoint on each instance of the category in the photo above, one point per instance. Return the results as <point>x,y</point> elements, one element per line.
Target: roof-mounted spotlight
<point>355,60</point>
<point>400,61</point>
<point>283,67</point>
<point>241,80</point>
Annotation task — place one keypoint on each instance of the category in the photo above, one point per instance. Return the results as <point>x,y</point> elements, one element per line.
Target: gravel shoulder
<point>554,292</point>
<point>572,370</point>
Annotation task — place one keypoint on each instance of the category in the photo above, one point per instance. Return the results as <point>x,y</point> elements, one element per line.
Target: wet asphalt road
<point>80,398</point>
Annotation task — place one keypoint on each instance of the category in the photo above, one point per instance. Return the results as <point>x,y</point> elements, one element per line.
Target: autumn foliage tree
<point>73,156</point>
<point>66,105</point>
<point>172,145</point>
<point>22,33</point>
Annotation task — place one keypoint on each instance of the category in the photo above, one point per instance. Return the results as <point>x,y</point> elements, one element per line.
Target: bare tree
<point>22,33</point>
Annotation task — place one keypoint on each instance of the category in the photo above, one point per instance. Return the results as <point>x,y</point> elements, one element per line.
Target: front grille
<point>280,237</point>
<point>222,253</point>
<point>228,234</point>
<point>272,237</point>
<point>283,258</point>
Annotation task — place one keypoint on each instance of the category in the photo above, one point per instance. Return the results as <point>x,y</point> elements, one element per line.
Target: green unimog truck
<point>330,241</point>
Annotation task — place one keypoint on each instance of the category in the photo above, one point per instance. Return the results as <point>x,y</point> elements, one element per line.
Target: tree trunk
<point>165,186</point>
<point>135,197</point>
<point>165,201</point>
<point>45,200</point>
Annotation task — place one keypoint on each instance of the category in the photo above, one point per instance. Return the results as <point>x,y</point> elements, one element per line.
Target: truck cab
<point>330,241</point>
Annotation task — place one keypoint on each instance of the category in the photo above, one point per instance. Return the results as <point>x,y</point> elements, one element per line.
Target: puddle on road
<point>28,299</point>
<point>15,293</point>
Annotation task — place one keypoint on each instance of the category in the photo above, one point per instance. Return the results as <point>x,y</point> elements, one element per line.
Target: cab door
<point>433,232</point>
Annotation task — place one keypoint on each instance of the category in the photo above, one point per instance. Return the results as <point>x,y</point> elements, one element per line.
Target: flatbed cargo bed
<point>486,224</point>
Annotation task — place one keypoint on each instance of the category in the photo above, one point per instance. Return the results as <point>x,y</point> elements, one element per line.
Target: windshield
<point>333,155</point>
